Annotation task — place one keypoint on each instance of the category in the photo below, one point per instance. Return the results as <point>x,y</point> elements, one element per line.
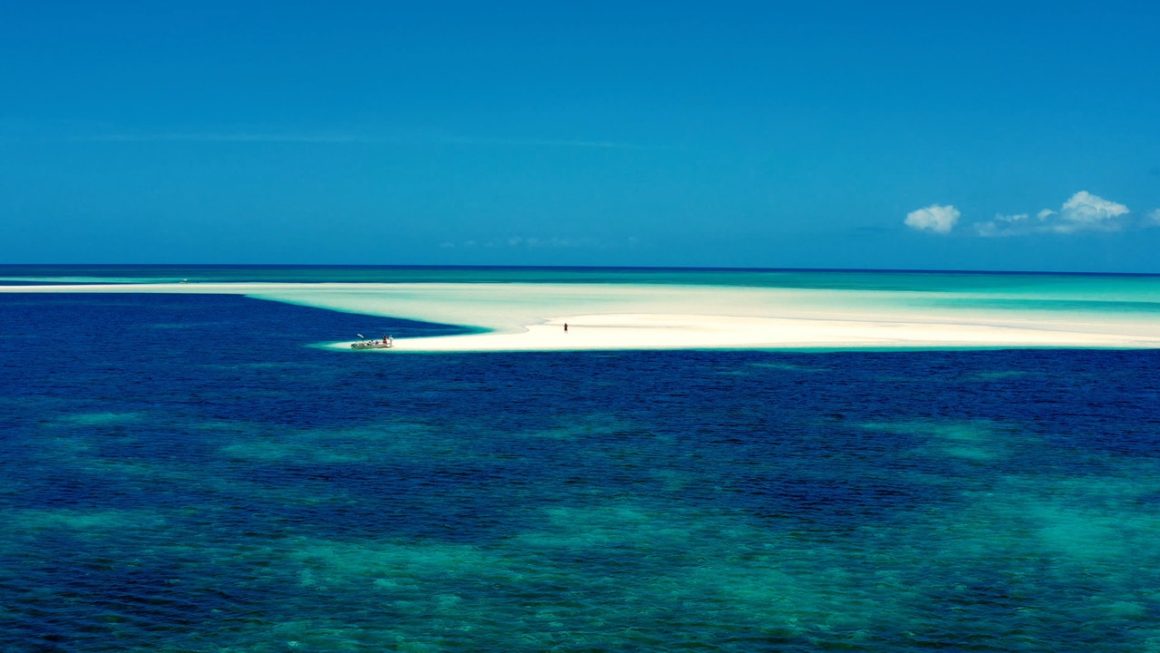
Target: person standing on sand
<point>565,327</point>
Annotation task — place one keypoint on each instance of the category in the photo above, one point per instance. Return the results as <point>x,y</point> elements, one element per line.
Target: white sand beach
<point>531,317</point>
<point>620,316</point>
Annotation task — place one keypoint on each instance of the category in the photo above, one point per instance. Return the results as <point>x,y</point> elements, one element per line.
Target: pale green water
<point>1060,286</point>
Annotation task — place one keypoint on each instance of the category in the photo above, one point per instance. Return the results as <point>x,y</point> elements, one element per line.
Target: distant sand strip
<point>531,317</point>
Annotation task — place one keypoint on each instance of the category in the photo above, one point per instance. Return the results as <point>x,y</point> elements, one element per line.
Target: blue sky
<point>980,135</point>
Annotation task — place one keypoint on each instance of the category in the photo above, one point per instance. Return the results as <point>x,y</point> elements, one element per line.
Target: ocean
<point>195,473</point>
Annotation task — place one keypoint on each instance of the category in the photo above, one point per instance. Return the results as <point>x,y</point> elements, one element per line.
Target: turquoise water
<point>173,479</point>
<point>1147,286</point>
<point>1118,296</point>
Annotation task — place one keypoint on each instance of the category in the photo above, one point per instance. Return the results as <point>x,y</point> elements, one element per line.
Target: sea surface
<point>194,473</point>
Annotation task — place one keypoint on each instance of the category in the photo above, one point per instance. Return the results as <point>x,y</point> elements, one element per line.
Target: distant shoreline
<point>5,267</point>
<point>527,316</point>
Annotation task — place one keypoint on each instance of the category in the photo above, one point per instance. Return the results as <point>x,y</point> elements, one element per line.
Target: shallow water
<point>1127,286</point>
<point>188,473</point>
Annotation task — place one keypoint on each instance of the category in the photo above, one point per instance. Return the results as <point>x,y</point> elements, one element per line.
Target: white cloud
<point>937,218</point>
<point>1153,219</point>
<point>1084,211</point>
<point>1002,225</point>
<point>537,242</point>
<point>1081,212</point>
<point>555,242</point>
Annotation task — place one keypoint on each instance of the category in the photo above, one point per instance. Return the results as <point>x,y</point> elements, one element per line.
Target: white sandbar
<point>531,317</point>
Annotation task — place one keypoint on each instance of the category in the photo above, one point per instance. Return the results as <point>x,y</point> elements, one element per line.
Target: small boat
<point>386,343</point>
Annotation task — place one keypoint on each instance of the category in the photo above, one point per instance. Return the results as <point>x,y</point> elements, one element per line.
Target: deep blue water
<point>188,473</point>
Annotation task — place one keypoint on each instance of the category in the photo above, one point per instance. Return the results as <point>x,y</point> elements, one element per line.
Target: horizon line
<point>642,268</point>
